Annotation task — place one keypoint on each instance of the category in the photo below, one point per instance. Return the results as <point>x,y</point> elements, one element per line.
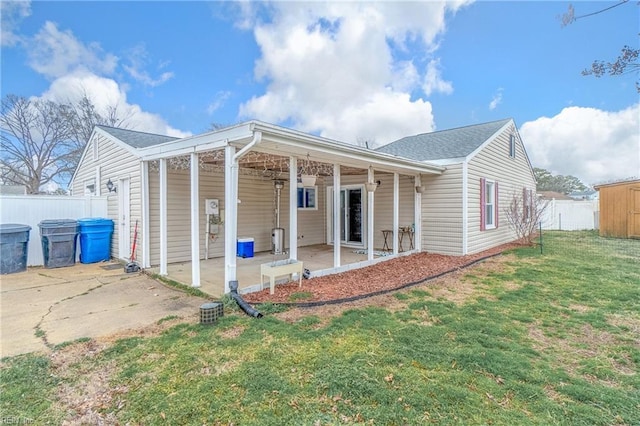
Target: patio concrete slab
<point>315,258</point>
<point>45,307</point>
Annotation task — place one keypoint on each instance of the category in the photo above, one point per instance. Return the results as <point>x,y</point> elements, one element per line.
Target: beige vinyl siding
<point>256,214</point>
<point>442,212</point>
<point>115,163</point>
<point>383,204</point>
<point>312,223</point>
<point>86,170</point>
<point>383,207</point>
<point>179,215</point>
<point>512,174</point>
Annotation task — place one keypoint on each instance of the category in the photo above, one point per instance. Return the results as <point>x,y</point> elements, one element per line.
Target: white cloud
<point>330,67</point>
<point>588,143</point>
<point>139,60</point>
<point>78,69</point>
<point>55,53</point>
<point>105,93</point>
<point>497,99</point>
<point>11,14</point>
<point>218,102</point>
<point>433,82</point>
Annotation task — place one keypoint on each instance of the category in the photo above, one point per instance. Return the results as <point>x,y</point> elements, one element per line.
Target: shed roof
<point>137,139</point>
<point>444,144</point>
<point>628,181</point>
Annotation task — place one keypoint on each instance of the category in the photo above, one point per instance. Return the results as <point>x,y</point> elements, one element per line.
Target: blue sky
<point>350,71</point>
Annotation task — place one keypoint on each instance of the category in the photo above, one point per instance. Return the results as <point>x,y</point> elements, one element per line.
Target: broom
<point>132,266</point>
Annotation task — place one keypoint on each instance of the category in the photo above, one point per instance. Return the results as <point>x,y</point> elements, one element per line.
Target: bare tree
<point>42,141</point>
<point>85,118</point>
<point>626,62</point>
<point>524,214</point>
<point>36,142</point>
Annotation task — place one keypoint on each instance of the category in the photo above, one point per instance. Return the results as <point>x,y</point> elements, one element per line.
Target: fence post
<point>560,221</point>
<point>540,224</point>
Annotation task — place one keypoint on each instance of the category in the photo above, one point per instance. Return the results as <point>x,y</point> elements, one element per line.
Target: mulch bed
<point>376,279</point>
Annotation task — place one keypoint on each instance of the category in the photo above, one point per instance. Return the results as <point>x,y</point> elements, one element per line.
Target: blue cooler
<point>95,239</point>
<point>245,247</point>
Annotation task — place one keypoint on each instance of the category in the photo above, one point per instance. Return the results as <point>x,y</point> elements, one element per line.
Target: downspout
<point>257,138</point>
<point>233,214</point>
<point>232,285</point>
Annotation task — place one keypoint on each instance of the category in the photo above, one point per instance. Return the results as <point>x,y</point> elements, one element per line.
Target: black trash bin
<point>14,245</point>
<point>59,238</point>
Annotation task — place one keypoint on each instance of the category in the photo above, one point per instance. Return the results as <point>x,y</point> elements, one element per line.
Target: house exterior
<point>463,208</point>
<point>194,197</point>
<point>588,195</point>
<point>620,209</point>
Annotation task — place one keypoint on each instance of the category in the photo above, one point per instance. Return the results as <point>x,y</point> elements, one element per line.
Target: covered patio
<point>318,259</point>
<point>241,166</point>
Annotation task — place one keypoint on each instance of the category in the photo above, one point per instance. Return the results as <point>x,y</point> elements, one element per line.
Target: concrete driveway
<point>43,307</point>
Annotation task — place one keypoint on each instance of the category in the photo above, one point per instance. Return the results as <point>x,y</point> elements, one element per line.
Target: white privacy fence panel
<point>570,215</point>
<point>32,209</point>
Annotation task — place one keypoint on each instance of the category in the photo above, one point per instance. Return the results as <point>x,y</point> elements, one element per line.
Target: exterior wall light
<point>111,187</point>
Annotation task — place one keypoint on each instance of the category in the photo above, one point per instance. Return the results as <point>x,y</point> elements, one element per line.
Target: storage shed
<point>620,209</point>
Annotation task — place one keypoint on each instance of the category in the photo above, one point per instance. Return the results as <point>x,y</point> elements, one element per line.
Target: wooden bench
<point>278,269</point>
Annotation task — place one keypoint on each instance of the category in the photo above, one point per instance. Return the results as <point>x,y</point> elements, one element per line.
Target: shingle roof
<point>443,144</point>
<point>136,139</point>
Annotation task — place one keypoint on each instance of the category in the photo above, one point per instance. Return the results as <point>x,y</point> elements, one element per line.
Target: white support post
<point>163,216</point>
<point>396,211</point>
<point>144,185</point>
<point>195,221</point>
<point>465,208</point>
<point>370,222</point>
<point>230,204</point>
<point>336,216</point>
<point>417,219</point>
<point>293,208</point>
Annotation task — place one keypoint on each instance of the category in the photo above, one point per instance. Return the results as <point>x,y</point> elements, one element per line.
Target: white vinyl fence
<point>32,209</point>
<point>570,215</point>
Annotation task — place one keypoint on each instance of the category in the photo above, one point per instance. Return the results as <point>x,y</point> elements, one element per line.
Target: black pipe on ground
<point>247,308</point>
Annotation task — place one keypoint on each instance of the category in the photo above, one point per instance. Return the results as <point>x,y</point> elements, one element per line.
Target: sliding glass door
<point>351,212</point>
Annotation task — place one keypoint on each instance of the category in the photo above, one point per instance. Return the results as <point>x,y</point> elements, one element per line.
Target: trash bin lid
<point>11,228</point>
<point>94,221</point>
<point>57,223</point>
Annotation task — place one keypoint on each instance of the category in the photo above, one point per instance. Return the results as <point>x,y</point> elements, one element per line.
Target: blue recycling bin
<point>14,244</point>
<point>95,239</point>
<point>59,238</point>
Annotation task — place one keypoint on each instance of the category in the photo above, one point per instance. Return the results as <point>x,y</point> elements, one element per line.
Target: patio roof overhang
<point>283,142</point>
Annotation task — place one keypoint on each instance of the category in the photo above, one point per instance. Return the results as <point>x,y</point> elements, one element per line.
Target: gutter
<point>257,138</point>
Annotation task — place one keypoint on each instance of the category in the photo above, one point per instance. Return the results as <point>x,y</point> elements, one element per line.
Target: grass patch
<point>167,318</point>
<point>71,342</point>
<point>184,288</point>
<point>27,390</point>
<point>548,339</point>
<point>300,295</point>
<point>271,308</point>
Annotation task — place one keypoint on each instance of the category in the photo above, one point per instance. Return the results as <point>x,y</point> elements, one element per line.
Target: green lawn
<point>529,339</point>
